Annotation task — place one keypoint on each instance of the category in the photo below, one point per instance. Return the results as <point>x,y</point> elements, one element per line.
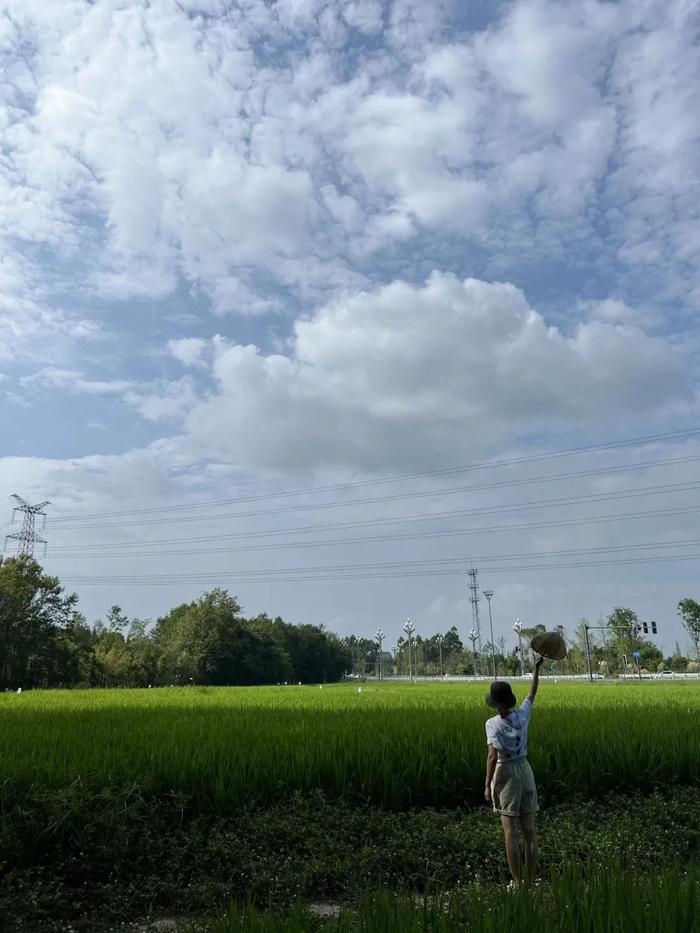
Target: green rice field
<point>238,806</point>
<point>396,745</point>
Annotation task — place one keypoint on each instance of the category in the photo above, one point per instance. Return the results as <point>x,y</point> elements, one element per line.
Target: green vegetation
<point>48,643</point>
<point>393,744</point>
<point>124,803</point>
<point>118,855</point>
<point>600,901</point>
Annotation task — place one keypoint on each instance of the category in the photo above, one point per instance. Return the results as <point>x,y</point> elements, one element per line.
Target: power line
<point>561,501</point>
<point>460,561</point>
<point>276,576</point>
<point>420,494</point>
<point>370,539</point>
<point>401,477</point>
<point>179,472</point>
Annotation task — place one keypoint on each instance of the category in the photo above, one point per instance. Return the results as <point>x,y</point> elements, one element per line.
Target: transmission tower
<point>474,597</point>
<point>28,537</point>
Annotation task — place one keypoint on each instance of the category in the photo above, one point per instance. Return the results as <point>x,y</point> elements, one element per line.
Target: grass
<point>123,803</point>
<point>394,745</point>
<point>120,857</point>
<point>577,901</point>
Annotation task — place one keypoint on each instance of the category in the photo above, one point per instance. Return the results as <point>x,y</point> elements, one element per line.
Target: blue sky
<point>267,246</point>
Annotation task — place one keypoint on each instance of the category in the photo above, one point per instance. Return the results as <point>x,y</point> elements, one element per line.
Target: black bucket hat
<point>501,694</point>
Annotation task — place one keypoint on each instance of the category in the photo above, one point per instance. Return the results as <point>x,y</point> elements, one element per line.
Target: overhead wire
<point>250,577</point>
<point>376,539</point>
<point>561,501</point>
<point>400,477</point>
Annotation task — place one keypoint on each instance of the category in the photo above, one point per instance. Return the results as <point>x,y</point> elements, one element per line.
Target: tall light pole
<point>440,639</point>
<point>380,638</point>
<point>394,649</point>
<point>409,629</point>
<point>518,628</point>
<point>473,638</point>
<point>489,595</point>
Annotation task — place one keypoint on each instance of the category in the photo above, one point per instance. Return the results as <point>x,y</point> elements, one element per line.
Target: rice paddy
<point>225,789</point>
<point>393,745</point>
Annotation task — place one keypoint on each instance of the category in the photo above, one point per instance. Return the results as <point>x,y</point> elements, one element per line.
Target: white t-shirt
<point>509,734</point>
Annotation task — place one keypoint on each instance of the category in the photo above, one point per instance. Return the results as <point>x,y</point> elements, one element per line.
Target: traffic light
<point>653,628</point>
<point>646,628</point>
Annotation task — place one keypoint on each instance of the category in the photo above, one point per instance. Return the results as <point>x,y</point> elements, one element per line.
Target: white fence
<point>482,678</point>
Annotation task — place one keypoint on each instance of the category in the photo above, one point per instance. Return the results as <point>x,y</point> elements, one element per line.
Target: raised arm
<point>535,679</point>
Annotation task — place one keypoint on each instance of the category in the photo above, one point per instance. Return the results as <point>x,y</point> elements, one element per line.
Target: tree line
<point>45,641</point>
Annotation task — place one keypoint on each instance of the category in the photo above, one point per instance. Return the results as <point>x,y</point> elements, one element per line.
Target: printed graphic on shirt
<point>509,734</point>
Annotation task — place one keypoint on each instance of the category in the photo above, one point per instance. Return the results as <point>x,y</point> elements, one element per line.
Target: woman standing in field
<point>510,783</point>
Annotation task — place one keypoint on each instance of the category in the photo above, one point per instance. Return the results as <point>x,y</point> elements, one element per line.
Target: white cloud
<point>165,146</point>
<point>172,400</point>
<point>188,350</point>
<point>55,378</point>
<point>366,370</point>
<point>267,157</point>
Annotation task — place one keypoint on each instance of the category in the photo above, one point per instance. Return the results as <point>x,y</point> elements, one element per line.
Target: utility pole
<point>588,652</point>
<point>380,638</point>
<point>474,598</point>
<point>489,596</point>
<point>27,537</point>
<point>518,628</point>
<point>473,636</point>
<point>409,629</point>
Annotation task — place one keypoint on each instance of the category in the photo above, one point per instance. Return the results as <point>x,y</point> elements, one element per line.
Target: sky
<point>325,303</point>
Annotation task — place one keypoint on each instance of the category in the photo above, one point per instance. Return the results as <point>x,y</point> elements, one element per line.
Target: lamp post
<point>409,629</point>
<point>518,629</point>
<point>489,595</point>
<point>473,638</point>
<point>380,638</point>
<point>394,649</point>
<point>440,639</point>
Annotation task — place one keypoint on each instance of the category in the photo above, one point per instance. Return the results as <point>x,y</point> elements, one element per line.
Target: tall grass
<point>394,745</point>
<point>576,902</point>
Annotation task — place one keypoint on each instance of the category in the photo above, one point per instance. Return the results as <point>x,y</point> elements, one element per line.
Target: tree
<point>33,612</point>
<point>209,642</point>
<point>689,611</point>
<point>116,620</point>
<point>623,627</point>
<point>75,658</point>
<point>452,643</point>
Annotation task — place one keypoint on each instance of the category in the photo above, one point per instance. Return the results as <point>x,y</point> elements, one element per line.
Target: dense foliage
<point>47,643</point>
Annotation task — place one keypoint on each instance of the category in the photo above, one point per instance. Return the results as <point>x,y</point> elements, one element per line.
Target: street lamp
<point>440,639</point>
<point>409,629</point>
<point>489,595</point>
<point>380,638</point>
<point>518,628</point>
<point>473,638</point>
<point>394,649</point>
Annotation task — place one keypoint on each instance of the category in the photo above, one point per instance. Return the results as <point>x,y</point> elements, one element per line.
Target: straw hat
<point>550,644</point>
